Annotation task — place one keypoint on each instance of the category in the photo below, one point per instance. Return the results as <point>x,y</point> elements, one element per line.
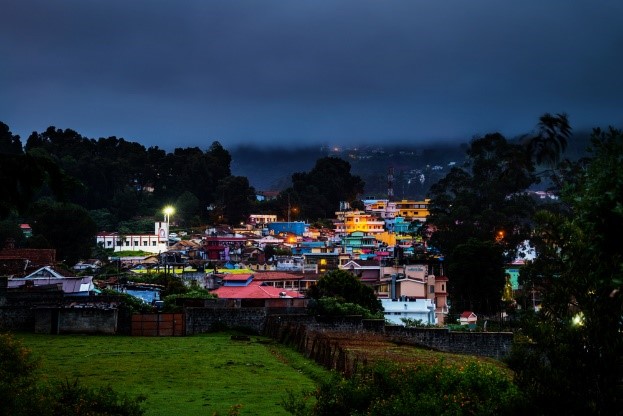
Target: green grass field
<point>197,375</point>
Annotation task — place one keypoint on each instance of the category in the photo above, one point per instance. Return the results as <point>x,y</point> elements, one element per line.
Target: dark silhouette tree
<point>236,197</point>
<point>67,227</point>
<point>477,205</point>
<point>551,140</point>
<point>10,144</point>
<point>574,364</point>
<point>319,192</point>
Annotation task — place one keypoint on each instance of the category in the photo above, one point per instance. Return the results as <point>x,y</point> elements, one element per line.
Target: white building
<point>151,243</point>
<point>415,309</point>
<point>47,276</point>
<point>261,219</point>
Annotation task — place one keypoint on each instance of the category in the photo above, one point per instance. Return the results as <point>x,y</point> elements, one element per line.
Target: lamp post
<point>168,211</point>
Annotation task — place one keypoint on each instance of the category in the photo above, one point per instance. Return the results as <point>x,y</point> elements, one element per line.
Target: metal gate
<point>158,325</point>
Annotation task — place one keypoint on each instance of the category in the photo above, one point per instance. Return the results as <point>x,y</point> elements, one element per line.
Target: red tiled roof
<point>237,277</point>
<point>254,291</point>
<point>467,314</point>
<point>264,276</point>
<point>441,279</point>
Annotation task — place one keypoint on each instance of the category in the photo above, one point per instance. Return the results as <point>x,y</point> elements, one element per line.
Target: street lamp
<point>168,211</point>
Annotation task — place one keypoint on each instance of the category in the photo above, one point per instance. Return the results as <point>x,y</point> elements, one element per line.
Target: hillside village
<point>173,244</point>
<point>264,260</point>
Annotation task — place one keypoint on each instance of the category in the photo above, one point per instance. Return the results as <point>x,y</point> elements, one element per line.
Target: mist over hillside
<point>414,167</point>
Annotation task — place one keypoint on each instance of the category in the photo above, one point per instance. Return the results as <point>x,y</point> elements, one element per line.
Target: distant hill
<point>415,168</point>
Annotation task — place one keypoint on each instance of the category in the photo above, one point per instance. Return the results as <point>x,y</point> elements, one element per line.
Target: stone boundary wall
<point>17,318</point>
<point>75,321</point>
<point>487,344</point>
<point>302,330</point>
<point>202,320</point>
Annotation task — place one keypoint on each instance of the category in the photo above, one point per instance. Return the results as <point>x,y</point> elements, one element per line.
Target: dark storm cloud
<point>188,72</point>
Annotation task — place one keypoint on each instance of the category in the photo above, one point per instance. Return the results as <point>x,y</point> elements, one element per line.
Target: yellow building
<point>359,221</point>
<point>412,210</point>
<point>386,238</point>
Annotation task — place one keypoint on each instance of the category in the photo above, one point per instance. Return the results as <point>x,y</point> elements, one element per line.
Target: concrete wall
<point>16,318</point>
<point>202,320</point>
<point>75,321</point>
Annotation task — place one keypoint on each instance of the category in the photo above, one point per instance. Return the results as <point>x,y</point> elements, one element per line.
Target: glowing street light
<point>168,211</point>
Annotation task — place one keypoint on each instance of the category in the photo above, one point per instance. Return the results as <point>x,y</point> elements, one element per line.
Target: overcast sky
<point>293,72</point>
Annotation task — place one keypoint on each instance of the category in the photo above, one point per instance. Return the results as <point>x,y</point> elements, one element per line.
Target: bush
<point>388,389</point>
<point>337,307</point>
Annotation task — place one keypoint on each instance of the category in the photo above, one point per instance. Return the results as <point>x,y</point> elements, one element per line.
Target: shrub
<point>388,389</point>
<point>337,307</point>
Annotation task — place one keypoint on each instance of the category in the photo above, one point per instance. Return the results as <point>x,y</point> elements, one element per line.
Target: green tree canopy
<point>477,271</point>
<point>10,143</point>
<point>481,209</point>
<point>67,227</point>
<point>343,285</point>
<point>318,193</point>
<point>235,197</point>
<point>575,365</point>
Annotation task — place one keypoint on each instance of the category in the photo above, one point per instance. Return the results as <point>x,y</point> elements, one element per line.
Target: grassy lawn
<point>197,375</point>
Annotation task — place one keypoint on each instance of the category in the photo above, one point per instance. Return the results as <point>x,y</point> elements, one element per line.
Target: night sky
<point>286,73</point>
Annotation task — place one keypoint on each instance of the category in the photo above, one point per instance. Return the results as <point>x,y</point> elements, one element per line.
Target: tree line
<point>69,187</point>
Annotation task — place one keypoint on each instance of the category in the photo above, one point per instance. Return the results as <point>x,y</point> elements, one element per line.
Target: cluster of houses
<point>267,258</point>
<point>270,259</point>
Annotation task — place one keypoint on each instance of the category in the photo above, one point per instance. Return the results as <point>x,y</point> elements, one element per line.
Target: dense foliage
<point>317,194</point>
<point>342,286</point>
<point>484,203</point>
<point>480,214</point>
<point>388,389</point>
<point>22,393</point>
<point>573,361</point>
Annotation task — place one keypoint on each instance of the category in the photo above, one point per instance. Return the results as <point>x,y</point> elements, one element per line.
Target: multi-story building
<point>262,219</point>
<point>410,210</point>
<point>415,281</point>
<point>413,210</point>
<point>381,208</point>
<point>359,221</point>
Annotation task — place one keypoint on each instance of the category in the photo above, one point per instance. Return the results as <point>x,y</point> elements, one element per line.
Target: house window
<point>127,243</point>
<point>119,242</point>
<point>109,243</point>
<point>153,243</point>
<point>443,287</point>
<point>144,243</point>
<point>431,289</point>
<point>135,243</point>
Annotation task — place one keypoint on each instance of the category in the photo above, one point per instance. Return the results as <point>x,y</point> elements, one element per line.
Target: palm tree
<point>550,143</point>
